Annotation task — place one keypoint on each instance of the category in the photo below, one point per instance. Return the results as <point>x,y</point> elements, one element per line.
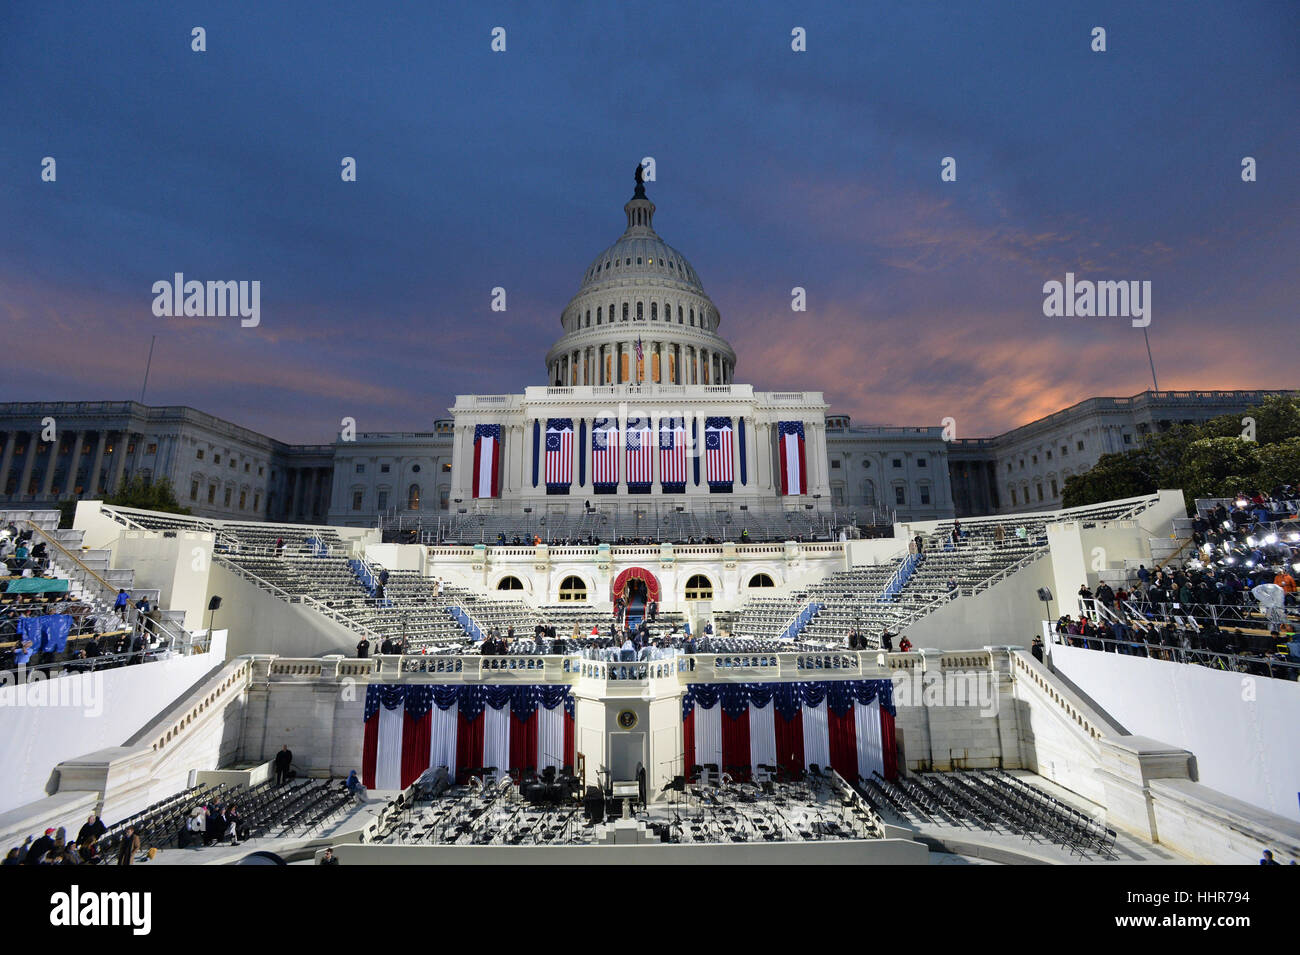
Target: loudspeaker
<point>214,603</point>
<point>1044,594</point>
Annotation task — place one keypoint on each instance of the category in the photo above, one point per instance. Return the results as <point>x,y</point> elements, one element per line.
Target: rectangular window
<point>446,467</point>
<point>199,454</point>
<point>361,469</point>
<point>1080,445</point>
<point>260,469</point>
<point>257,501</point>
<point>898,462</point>
<point>216,459</point>
<point>835,465</point>
<point>1065,452</point>
<point>925,495</point>
<point>356,500</point>
<point>920,463</point>
<point>247,467</point>
<point>1040,491</point>
<point>1055,492</point>
<point>383,500</point>
<point>151,448</point>
<point>212,494</point>
<point>243,500</point>
<point>1014,502</point>
<point>194,490</point>
<point>226,497</point>
<point>1128,439</point>
<point>900,495</point>
<point>383,468</point>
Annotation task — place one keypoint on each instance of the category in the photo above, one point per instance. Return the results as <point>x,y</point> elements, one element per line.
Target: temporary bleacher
<point>889,596</point>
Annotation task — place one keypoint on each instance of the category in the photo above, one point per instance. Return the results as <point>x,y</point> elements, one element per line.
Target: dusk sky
<point>775,169</point>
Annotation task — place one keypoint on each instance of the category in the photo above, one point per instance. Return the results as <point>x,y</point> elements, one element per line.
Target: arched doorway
<point>633,591</point>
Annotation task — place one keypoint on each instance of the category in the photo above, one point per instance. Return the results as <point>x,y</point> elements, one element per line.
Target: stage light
<point>1270,539</point>
<point>1250,542</point>
<point>1294,536</point>
<point>1241,502</point>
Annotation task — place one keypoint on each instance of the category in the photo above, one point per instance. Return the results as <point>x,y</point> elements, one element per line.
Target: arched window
<point>572,589</point>
<point>699,588</point>
<point>639,315</point>
<point>654,311</point>
<point>692,316</point>
<point>680,320</point>
<point>761,580</point>
<point>510,583</point>
<point>589,318</point>
<point>413,498</point>
<point>597,314</point>
<point>869,493</point>
<point>625,311</point>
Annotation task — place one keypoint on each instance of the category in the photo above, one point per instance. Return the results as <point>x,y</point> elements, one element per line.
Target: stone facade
<point>85,450</point>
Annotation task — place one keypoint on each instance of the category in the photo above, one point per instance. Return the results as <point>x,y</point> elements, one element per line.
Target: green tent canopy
<point>37,585</point>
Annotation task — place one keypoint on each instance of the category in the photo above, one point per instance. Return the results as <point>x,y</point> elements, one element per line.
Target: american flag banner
<point>794,466</point>
<point>672,454</point>
<point>640,453</point>
<point>559,454</point>
<point>604,454</point>
<point>487,441</point>
<point>718,470</point>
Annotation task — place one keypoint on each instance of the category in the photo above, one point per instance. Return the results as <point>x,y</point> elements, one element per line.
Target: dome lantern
<point>640,210</point>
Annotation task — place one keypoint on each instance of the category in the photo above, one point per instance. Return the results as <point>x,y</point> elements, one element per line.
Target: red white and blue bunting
<point>410,727</point>
<point>845,724</point>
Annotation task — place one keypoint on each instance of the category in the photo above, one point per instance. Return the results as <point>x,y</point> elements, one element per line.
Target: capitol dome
<point>640,289</point>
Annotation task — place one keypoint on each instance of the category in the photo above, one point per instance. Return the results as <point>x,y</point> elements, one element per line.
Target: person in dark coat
<point>363,649</point>
<point>36,851</point>
<point>129,847</point>
<point>93,829</point>
<point>283,760</point>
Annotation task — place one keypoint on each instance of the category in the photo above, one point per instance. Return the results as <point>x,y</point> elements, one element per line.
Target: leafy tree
<point>147,495</point>
<point>1211,459</point>
<point>1279,463</point>
<point>1213,467</point>
<point>1128,474</point>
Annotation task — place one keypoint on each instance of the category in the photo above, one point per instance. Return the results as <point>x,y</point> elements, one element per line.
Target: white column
<point>29,461</point>
<point>47,482</point>
<point>119,459</point>
<point>11,439</point>
<point>93,487</point>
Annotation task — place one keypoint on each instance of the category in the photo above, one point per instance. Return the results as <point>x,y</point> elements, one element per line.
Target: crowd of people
<point>19,557</point>
<point>1231,604</point>
<point>54,848</point>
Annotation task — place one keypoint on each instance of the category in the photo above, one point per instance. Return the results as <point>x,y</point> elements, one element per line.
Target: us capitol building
<point>642,415</point>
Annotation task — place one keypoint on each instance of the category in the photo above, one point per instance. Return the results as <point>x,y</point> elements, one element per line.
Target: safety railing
<point>1255,664</point>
